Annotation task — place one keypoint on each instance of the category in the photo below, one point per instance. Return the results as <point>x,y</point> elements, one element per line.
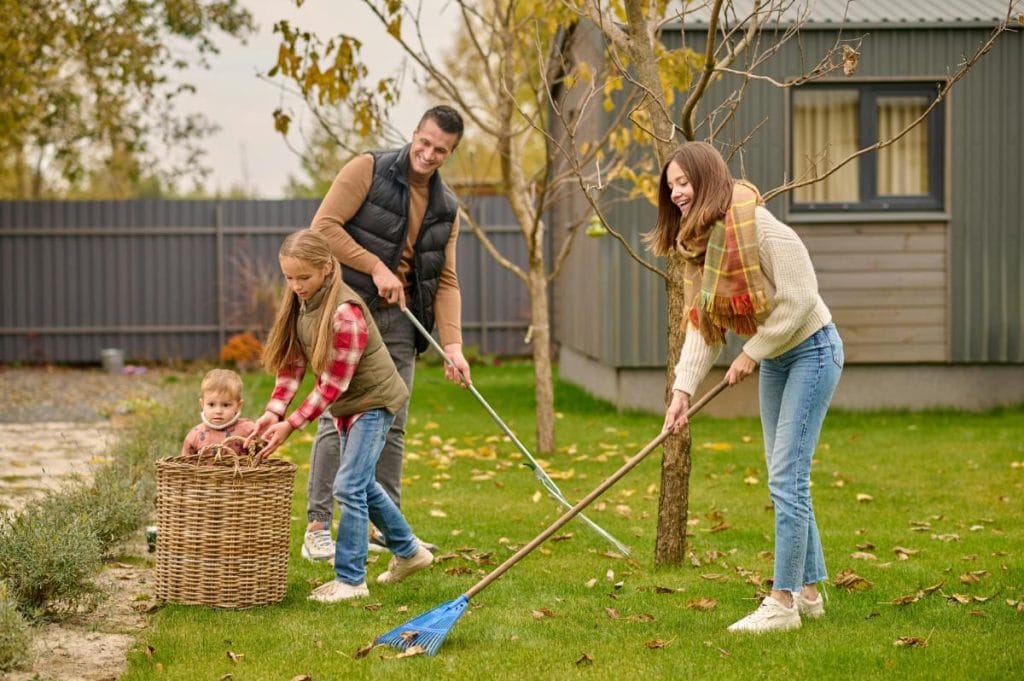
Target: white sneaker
<point>317,545</point>
<point>400,568</point>
<point>334,591</point>
<point>771,616</point>
<point>808,608</point>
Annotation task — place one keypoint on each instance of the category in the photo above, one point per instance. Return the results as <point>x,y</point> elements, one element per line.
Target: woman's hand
<point>740,368</point>
<point>275,437</point>
<point>675,415</point>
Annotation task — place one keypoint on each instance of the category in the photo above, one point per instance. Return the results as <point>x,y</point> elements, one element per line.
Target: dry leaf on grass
<point>584,658</point>
<point>655,644</point>
<point>864,498</point>
<point>365,650</point>
<point>863,555</point>
<point>612,613</point>
<point>542,613</point>
<point>848,579</point>
<point>702,604</point>
<point>411,651</point>
<point>910,642</point>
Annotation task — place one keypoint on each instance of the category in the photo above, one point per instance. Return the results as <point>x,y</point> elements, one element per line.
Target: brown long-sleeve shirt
<point>343,200</point>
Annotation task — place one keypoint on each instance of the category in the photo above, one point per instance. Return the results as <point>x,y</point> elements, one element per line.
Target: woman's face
<point>303,278</point>
<point>680,187</point>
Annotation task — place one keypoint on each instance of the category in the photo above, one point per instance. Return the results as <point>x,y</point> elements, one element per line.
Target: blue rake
<point>538,471</point>
<point>430,629</point>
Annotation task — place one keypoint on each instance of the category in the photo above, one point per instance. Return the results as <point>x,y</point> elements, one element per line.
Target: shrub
<point>15,636</point>
<point>47,558</point>
<point>243,350</point>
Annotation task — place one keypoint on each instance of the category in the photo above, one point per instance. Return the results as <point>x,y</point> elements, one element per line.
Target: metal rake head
<point>427,630</point>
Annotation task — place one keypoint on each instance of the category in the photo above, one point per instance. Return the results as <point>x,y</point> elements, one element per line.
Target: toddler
<point>221,402</point>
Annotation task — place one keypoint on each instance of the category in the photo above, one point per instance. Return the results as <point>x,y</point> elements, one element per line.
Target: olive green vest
<point>376,382</point>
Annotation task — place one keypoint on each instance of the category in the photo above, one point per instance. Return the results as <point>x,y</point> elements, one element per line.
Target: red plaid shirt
<point>350,336</point>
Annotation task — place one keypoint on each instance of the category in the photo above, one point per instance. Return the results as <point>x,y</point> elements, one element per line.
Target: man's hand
<point>675,415</point>
<point>460,372</point>
<point>389,286</point>
<point>741,367</point>
<point>275,437</point>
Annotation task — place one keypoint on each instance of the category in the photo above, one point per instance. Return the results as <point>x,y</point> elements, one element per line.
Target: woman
<point>747,272</point>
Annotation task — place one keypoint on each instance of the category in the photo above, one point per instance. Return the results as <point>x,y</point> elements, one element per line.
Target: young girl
<point>324,324</point>
<point>220,401</point>
<point>747,272</point>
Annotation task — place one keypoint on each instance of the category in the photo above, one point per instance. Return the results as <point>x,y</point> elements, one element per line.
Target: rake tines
<point>427,630</point>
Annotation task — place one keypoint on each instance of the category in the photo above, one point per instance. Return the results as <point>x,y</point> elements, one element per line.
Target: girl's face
<point>680,187</point>
<point>302,277</point>
<point>219,407</point>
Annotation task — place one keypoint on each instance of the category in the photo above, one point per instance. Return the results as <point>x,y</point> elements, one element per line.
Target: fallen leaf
<point>591,583</point>
<point>623,510</point>
<point>907,600</point>
<point>910,642</point>
<point>365,650</point>
<point>848,579</point>
<point>720,527</point>
<point>235,657</point>
<point>702,604</point>
<point>864,498</point>
<point>373,607</point>
<point>863,555</point>
<point>750,480</point>
<point>412,651</point>
<point>713,576</point>
<point>541,613</point>
<point>302,677</point>
<point>225,677</point>
<point>562,537</point>
<point>932,589</point>
<point>664,590</point>
<point>904,553</point>
<point>612,613</point>
<point>962,599</point>
<point>583,659</point>
<point>437,513</point>
<point>946,537</point>
<point>537,496</point>
<point>610,575</point>
<point>655,644</point>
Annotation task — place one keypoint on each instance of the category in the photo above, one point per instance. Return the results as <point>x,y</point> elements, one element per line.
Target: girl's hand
<point>459,373</point>
<point>675,415</point>
<point>275,437</point>
<point>262,423</point>
<point>741,367</point>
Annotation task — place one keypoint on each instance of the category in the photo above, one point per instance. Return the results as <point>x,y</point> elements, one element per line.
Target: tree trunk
<point>543,388</point>
<point>674,503</point>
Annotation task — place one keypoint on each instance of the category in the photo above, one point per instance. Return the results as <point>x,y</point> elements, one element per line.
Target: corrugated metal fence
<point>168,279</point>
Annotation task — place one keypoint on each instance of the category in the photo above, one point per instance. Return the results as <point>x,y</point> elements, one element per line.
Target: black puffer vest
<point>382,224</point>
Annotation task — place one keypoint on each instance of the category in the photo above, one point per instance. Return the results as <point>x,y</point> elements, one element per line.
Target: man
<point>393,225</point>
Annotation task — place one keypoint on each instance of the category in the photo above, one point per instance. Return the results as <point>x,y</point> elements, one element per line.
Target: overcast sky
<point>247,151</point>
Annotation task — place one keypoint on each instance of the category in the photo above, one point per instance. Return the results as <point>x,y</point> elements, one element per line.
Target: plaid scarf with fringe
<point>722,280</point>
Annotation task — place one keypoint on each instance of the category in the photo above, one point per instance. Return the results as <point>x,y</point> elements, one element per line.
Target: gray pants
<point>399,337</point>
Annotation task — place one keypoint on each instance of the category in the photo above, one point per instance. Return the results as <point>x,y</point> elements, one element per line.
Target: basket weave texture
<point>223,520</point>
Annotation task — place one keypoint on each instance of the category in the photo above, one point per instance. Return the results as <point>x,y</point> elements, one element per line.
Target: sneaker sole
<point>313,559</point>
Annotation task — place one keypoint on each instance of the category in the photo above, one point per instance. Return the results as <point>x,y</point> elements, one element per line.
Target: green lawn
<point>945,486</point>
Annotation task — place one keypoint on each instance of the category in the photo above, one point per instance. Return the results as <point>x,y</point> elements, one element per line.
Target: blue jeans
<point>795,390</point>
<point>362,499</point>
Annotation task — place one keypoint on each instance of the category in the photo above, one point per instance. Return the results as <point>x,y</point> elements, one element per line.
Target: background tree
<point>87,93</point>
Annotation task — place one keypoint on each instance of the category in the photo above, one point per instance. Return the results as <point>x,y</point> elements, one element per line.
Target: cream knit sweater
<point>795,313</point>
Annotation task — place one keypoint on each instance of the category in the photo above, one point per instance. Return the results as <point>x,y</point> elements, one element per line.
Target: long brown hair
<point>712,193</point>
<point>283,348</point>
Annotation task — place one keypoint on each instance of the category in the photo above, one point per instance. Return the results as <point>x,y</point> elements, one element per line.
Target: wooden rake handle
<point>587,500</point>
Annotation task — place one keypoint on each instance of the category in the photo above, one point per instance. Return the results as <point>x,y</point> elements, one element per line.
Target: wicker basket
<point>223,522</point>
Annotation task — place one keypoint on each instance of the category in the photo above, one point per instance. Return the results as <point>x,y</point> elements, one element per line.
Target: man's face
<point>430,147</point>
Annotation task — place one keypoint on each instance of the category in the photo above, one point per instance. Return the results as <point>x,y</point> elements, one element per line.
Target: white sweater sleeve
<point>786,263</point>
<point>695,360</point>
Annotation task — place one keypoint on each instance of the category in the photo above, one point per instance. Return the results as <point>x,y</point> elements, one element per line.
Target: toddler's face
<point>219,407</point>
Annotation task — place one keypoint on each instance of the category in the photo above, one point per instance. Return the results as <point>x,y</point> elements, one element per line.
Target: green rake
<point>429,630</point>
<point>538,471</point>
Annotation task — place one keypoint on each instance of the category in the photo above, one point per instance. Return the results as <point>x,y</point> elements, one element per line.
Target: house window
<point>831,122</point>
